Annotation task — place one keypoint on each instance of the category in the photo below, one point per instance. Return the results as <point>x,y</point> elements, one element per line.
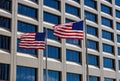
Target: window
<point>68,20</point>
<point>92,44</point>
<point>53,75</point>
<point>51,18</point>
<point>5,22</point>
<point>107,35</point>
<point>28,51</point>
<point>118,25</point>
<point>73,56</point>
<point>25,74</point>
<point>72,10</point>
<point>91,3</point>
<point>92,31</point>
<point>117,13</point>
<point>117,2</point>
<point>93,60</point>
<point>27,11</point>
<point>5,4</point>
<point>25,27</point>
<point>118,50</point>
<point>34,1</point>
<point>73,77</point>
<point>107,22</point>
<point>90,16</point>
<point>108,79</point>
<point>4,72</point>
<point>93,78</point>
<point>108,63</point>
<point>73,41</point>
<point>76,1</point>
<point>50,35</point>
<point>5,42</point>
<point>106,9</point>
<point>108,48</point>
<point>53,3</point>
<point>119,65</point>
<point>53,52</point>
<point>118,38</point>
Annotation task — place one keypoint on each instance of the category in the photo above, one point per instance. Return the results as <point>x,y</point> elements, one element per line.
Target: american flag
<point>69,30</point>
<point>32,41</point>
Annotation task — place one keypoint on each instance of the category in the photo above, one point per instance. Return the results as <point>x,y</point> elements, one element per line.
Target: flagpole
<point>87,69</point>
<point>46,64</point>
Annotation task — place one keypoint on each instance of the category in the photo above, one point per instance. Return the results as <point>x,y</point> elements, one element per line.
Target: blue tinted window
<point>34,1</point>
<point>73,56</point>
<point>53,52</point>
<point>93,60</point>
<point>50,35</point>
<point>117,13</point>
<point>52,3</point>
<point>23,50</point>
<point>118,25</point>
<point>5,22</point>
<point>108,63</point>
<point>73,77</point>
<point>118,38</point>
<point>119,64</point>
<point>117,2</point>
<point>51,18</point>
<point>25,27</point>
<point>68,20</point>
<point>106,9</point>
<point>73,41</point>
<point>28,11</point>
<point>93,78</point>
<point>4,72</point>
<point>92,44</point>
<point>108,48</point>
<point>5,4</point>
<point>118,50</point>
<point>76,0</point>
<point>90,3</point>
<point>90,16</point>
<point>107,35</point>
<point>72,10</point>
<point>4,42</point>
<point>53,75</point>
<point>91,30</point>
<point>25,74</point>
<point>106,22</point>
<point>108,79</point>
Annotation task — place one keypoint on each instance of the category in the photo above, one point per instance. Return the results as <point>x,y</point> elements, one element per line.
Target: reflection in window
<point>117,2</point>
<point>28,11</point>
<point>4,72</point>
<point>118,25</point>
<point>117,13</point>
<point>73,77</point>
<point>53,75</point>
<point>107,22</point>
<point>91,3</point>
<point>108,48</point>
<point>92,44</point>
<point>93,60</point>
<point>106,9</point>
<point>108,63</point>
<point>92,31</point>
<point>107,35</point>
<point>25,74</point>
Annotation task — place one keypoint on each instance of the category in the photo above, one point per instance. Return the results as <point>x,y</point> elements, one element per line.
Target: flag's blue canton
<point>40,37</point>
<point>77,26</point>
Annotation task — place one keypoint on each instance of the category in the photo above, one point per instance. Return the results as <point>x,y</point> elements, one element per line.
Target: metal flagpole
<point>46,64</point>
<point>87,69</point>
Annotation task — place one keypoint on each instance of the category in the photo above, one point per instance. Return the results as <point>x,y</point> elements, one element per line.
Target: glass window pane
<point>93,60</point>
<point>91,3</point>
<point>23,50</point>
<point>73,56</point>
<point>53,52</point>
<point>118,25</point>
<point>108,63</point>
<point>90,16</point>
<point>25,74</point>
<point>108,48</point>
<point>73,41</point>
<point>118,38</point>
<point>52,3</point>
<point>117,13</point>
<point>106,9</point>
<point>118,50</point>
<point>92,44</point>
<point>4,71</point>
<point>27,11</point>
<point>5,4</point>
<point>117,2</point>
<point>4,42</point>
<point>108,79</point>
<point>34,1</point>
<point>53,75</point>
<point>51,18</point>
<point>107,35</point>
<point>119,64</point>
<point>73,77</point>
<point>107,22</point>
<point>5,22</point>
<point>72,10</point>
<point>92,31</point>
<point>93,78</point>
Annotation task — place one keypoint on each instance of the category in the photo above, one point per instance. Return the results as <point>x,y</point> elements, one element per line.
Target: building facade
<point>66,57</point>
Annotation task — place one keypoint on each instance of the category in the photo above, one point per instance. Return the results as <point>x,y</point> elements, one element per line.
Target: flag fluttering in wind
<point>69,30</point>
<point>32,41</point>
